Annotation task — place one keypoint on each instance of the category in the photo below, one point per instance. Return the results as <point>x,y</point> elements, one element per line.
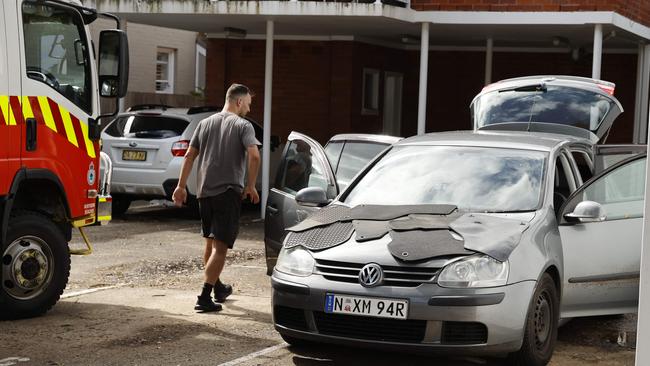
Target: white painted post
<point>643,323</point>
<point>268,86</point>
<point>424,69</point>
<point>488,60</point>
<point>598,51</point>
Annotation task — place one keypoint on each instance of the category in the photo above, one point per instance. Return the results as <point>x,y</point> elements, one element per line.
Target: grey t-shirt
<point>222,140</point>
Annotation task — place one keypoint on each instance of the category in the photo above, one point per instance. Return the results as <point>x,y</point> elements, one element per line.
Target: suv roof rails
<point>203,109</point>
<point>142,107</point>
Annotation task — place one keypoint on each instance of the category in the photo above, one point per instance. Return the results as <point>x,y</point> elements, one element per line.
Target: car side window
<point>620,191</point>
<point>564,184</point>
<point>584,163</point>
<point>354,157</point>
<point>333,152</point>
<point>300,170</point>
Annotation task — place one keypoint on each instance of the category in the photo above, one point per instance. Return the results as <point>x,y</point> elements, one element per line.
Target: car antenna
<point>541,87</point>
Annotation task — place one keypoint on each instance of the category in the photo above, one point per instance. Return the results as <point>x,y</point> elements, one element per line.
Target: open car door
<point>601,227</point>
<point>303,164</point>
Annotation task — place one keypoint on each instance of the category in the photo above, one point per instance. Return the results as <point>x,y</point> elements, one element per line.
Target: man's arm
<point>253,166</point>
<point>180,193</point>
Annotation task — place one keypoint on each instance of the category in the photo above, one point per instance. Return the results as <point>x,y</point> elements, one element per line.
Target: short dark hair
<point>237,91</point>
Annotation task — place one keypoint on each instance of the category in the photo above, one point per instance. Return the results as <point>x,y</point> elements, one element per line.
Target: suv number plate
<point>134,155</point>
<point>366,306</point>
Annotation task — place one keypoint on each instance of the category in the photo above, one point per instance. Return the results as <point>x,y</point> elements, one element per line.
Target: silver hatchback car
<point>474,242</point>
<point>147,145</point>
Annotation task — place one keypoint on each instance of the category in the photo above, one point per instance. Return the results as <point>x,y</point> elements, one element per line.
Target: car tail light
<point>179,148</point>
<point>607,89</point>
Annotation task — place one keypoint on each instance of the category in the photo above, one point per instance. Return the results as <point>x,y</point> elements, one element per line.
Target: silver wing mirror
<point>587,211</point>
<point>312,197</point>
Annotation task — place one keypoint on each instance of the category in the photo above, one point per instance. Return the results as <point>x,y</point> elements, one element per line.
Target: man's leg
<point>211,271</point>
<point>216,261</point>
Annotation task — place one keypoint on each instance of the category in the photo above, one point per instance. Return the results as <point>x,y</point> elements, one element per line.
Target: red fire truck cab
<point>50,89</point>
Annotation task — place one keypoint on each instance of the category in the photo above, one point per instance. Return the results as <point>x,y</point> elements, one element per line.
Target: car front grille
<point>370,328</point>
<point>401,276</point>
<point>463,333</point>
<point>290,317</point>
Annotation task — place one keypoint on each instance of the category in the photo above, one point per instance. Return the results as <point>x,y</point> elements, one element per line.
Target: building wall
<point>143,43</point>
<point>638,10</point>
<point>317,86</point>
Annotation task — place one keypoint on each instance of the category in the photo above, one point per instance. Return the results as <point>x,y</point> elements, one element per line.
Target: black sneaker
<point>204,304</point>
<point>222,291</point>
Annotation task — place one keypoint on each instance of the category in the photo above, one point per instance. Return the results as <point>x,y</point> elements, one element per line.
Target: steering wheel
<point>37,73</point>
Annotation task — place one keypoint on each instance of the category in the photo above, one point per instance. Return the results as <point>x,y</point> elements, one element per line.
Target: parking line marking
<point>89,291</point>
<point>254,355</point>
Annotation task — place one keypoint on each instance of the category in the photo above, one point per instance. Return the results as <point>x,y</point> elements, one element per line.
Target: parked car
<point>474,242</point>
<point>147,145</point>
<point>331,168</point>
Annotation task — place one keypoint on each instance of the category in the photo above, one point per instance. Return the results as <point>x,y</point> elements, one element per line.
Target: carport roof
<point>383,23</point>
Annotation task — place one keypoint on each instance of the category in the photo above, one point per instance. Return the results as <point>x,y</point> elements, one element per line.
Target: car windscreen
<point>151,127</point>
<point>478,179</point>
<point>550,104</point>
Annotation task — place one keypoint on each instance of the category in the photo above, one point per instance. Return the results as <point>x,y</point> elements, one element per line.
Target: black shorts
<point>220,216</point>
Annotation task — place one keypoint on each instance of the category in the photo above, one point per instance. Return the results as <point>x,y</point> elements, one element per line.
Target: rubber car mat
<point>390,212</point>
<point>370,230</point>
<point>323,217</point>
<point>494,236</point>
<point>320,238</point>
<point>416,245</point>
<point>422,222</point>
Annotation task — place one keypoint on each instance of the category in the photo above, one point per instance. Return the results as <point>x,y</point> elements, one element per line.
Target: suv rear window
<point>149,127</point>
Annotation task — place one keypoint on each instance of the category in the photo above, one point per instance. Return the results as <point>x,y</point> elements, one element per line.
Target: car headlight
<point>296,261</point>
<point>474,271</point>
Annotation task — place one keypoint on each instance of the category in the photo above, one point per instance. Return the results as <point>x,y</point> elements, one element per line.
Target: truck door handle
<point>272,209</point>
<point>30,134</point>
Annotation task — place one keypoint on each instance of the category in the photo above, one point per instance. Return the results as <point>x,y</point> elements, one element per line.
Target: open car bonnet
<point>417,232</point>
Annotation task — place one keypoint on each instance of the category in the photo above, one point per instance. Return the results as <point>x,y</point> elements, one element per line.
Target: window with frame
<point>165,70</point>
<point>370,97</point>
<point>56,52</point>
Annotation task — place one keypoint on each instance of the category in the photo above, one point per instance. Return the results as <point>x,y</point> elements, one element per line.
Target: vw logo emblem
<point>133,144</point>
<point>371,275</point>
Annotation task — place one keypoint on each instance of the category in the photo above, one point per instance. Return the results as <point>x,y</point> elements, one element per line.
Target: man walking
<point>220,143</point>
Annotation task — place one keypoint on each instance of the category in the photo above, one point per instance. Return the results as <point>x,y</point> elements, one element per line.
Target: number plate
<point>134,155</point>
<point>366,306</point>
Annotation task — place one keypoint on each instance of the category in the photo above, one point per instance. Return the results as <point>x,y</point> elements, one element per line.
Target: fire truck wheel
<point>35,266</point>
<point>120,205</point>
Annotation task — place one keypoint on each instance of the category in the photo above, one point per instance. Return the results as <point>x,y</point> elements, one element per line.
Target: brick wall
<point>317,86</point>
<point>638,10</point>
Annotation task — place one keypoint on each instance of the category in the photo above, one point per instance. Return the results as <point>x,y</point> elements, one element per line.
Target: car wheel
<point>540,333</point>
<point>120,206</point>
<point>35,266</point>
<point>295,342</point>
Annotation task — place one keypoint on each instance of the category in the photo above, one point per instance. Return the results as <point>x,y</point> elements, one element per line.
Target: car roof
<point>191,114</point>
<point>382,139</point>
<point>504,139</point>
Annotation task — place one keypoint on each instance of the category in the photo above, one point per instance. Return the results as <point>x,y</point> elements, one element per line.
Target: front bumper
<point>473,321</point>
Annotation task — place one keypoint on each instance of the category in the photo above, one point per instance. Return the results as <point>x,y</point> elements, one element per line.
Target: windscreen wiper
<point>541,87</point>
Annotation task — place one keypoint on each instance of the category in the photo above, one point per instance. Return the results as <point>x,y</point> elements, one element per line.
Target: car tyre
<point>38,248</point>
<point>120,205</point>
<point>540,333</point>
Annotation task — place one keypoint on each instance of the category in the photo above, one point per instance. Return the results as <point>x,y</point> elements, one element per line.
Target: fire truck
<point>51,82</point>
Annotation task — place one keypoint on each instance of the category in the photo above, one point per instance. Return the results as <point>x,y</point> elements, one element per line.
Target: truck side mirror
<point>113,63</point>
